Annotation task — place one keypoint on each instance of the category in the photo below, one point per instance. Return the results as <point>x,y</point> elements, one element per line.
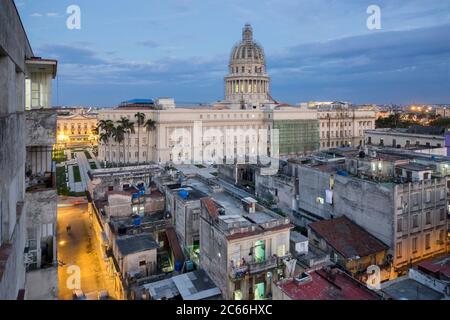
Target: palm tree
<point>107,126</point>
<point>128,127</point>
<point>104,138</point>
<point>150,125</point>
<point>140,121</point>
<point>118,134</point>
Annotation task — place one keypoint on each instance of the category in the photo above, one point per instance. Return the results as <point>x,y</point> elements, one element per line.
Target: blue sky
<point>316,49</point>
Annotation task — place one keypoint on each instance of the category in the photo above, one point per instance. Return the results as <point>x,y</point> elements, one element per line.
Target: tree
<point>140,121</point>
<point>106,126</point>
<point>128,127</point>
<point>104,138</point>
<point>394,121</point>
<point>119,136</point>
<point>150,125</point>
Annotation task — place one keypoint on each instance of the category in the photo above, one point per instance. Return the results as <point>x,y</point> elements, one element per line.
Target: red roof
<point>347,238</point>
<point>438,267</point>
<point>323,287</point>
<point>210,207</point>
<point>174,244</point>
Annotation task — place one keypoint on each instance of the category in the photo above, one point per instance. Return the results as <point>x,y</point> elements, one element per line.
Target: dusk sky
<point>317,50</point>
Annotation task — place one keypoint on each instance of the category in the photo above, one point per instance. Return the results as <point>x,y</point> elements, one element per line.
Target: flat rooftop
<point>196,285</point>
<point>297,237</point>
<point>136,243</point>
<point>408,289</point>
<point>413,166</point>
<point>192,194</point>
<point>260,217</point>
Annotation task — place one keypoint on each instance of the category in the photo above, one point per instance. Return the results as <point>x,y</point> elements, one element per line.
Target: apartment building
<point>342,124</point>
<point>243,247</point>
<point>399,197</point>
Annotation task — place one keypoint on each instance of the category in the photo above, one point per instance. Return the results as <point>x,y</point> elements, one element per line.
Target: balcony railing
<point>254,267</point>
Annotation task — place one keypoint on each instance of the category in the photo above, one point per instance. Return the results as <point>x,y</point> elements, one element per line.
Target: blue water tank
<point>135,196</point>
<point>342,173</point>
<point>189,265</point>
<point>137,221</point>
<point>184,194</point>
<point>178,265</point>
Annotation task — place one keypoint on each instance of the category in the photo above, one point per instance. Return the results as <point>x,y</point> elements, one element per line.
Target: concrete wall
<point>279,188</point>
<point>187,226</point>
<point>41,127</point>
<point>40,208</point>
<point>14,49</point>
<point>213,254</point>
<point>130,263</point>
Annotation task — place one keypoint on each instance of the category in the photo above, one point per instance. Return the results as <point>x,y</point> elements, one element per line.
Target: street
<point>79,247</point>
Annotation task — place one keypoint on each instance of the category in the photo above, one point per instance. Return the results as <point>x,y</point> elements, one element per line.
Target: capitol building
<point>247,107</point>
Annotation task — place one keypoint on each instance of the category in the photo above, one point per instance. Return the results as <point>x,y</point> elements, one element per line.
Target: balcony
<point>254,267</point>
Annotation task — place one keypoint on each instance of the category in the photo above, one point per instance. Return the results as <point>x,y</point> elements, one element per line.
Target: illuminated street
<point>79,247</point>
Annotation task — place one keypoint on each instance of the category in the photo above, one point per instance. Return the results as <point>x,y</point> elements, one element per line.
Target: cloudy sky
<point>316,49</point>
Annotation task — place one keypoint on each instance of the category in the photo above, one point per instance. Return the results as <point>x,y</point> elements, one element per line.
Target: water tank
<point>184,194</point>
<point>178,265</point>
<point>137,221</point>
<point>189,266</point>
<point>135,196</point>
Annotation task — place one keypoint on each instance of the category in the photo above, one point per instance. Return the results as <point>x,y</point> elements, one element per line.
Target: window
<point>441,236</point>
<point>414,245</point>
<point>442,194</point>
<point>415,221</point>
<point>399,250</point>
<point>428,218</point>
<point>415,196</point>
<point>35,94</point>
<point>142,263</point>
<point>400,225</point>
<point>428,196</point>
<point>442,214</point>
<point>427,241</point>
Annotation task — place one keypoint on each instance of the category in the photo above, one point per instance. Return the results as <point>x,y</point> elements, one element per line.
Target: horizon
<point>181,48</point>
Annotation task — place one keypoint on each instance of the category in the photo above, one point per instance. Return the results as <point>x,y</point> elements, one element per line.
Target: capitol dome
<point>247,50</point>
<point>247,84</point>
